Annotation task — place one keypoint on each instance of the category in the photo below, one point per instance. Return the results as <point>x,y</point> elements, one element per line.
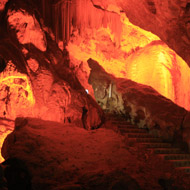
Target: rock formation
<point>37,80</point>
<point>140,104</point>
<point>167,19</point>
<point>58,155</point>
<point>59,68</point>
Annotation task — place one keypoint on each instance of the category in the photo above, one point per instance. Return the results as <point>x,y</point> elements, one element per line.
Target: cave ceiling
<point>170,20</point>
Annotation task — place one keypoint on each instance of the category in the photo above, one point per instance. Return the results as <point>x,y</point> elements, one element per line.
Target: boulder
<point>57,155</point>
<point>114,180</point>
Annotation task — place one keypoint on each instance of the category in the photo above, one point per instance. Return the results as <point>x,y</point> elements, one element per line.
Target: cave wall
<point>36,80</point>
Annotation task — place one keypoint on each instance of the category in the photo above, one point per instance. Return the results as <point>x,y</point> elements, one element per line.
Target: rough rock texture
<point>144,104</point>
<point>186,130</point>
<point>57,153</point>
<point>65,157</point>
<point>139,55</point>
<point>16,174</point>
<point>37,80</point>
<point>6,127</point>
<point>104,88</point>
<point>167,19</point>
<point>141,104</point>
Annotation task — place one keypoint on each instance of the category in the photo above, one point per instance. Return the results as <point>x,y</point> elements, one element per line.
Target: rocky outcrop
<point>36,80</point>
<point>140,104</point>
<point>149,109</point>
<point>104,88</point>
<point>59,155</point>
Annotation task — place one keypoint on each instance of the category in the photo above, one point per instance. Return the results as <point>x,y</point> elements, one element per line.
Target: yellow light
<point>138,55</point>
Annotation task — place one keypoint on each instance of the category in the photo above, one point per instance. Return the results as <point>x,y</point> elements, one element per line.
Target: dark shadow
<point>3,64</point>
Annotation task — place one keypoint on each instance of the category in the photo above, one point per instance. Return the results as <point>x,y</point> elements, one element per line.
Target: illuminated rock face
<point>158,66</point>
<point>139,56</point>
<point>141,104</point>
<point>28,30</point>
<point>2,4</point>
<point>100,30</point>
<point>161,116</point>
<point>35,78</point>
<point>16,93</point>
<point>167,19</point>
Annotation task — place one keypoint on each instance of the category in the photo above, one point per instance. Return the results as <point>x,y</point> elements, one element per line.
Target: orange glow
<point>140,56</point>
<point>2,4</point>
<point>158,66</point>
<point>28,29</point>
<point>17,95</point>
<point>4,131</point>
<point>16,99</point>
<point>101,46</point>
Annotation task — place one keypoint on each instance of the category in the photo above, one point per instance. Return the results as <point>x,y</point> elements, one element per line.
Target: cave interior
<point>94,94</point>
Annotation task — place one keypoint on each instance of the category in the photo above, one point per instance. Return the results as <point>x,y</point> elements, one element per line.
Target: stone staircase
<point>141,137</point>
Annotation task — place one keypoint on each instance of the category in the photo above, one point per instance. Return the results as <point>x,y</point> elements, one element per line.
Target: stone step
<point>176,156</point>
<point>147,140</point>
<point>185,169</point>
<point>118,120</point>
<point>131,129</point>
<point>121,122</point>
<point>181,163</point>
<point>139,135</point>
<point>135,130</point>
<point>128,126</point>
<point>157,145</point>
<point>167,151</point>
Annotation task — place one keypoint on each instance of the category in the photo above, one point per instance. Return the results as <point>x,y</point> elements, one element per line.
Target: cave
<point>94,94</point>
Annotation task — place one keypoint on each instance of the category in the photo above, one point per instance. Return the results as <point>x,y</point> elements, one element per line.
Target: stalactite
<point>56,23</point>
<point>79,14</point>
<point>68,21</point>
<point>46,11</point>
<point>63,20</point>
<point>44,8</point>
<point>87,16</point>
